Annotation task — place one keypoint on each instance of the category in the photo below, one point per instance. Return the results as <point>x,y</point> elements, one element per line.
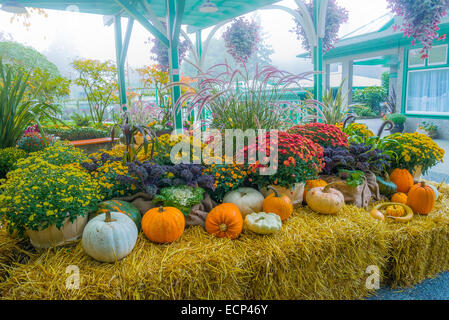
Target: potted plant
<point>415,152</point>
<point>428,128</point>
<point>49,203</point>
<point>298,159</point>
<point>398,121</point>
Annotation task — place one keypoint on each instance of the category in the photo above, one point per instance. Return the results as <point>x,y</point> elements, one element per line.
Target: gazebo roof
<point>227,9</point>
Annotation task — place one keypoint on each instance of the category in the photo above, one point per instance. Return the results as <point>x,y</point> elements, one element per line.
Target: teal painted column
<point>120,61</point>
<point>199,52</point>
<point>172,14</point>
<point>317,55</point>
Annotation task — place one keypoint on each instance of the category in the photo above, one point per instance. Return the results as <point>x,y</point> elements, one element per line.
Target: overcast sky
<point>86,35</point>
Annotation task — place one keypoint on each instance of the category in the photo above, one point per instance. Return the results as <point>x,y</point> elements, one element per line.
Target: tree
<point>42,71</point>
<point>99,82</point>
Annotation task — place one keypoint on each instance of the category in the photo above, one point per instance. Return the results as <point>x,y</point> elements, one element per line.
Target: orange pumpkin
<point>402,179</point>
<point>400,198</point>
<point>225,221</point>
<point>163,225</point>
<point>278,203</point>
<point>310,184</point>
<point>421,198</point>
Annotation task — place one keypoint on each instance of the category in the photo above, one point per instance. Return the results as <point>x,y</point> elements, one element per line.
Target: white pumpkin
<point>325,200</point>
<point>109,236</point>
<point>263,223</point>
<point>247,199</point>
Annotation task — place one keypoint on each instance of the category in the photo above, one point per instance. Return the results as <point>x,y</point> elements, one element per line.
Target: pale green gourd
<point>109,237</point>
<point>263,223</point>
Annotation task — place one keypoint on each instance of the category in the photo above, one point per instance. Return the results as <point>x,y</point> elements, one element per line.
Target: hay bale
<point>317,257</point>
<point>312,257</point>
<point>10,252</point>
<point>420,248</point>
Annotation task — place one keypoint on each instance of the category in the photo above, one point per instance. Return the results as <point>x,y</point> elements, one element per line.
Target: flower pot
<point>417,172</point>
<point>295,193</point>
<point>431,134</point>
<point>54,237</point>
<point>398,128</point>
<point>162,132</point>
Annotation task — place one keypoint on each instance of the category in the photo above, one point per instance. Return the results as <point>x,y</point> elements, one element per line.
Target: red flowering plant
<point>32,140</point>
<point>295,159</point>
<point>325,135</point>
<point>420,20</point>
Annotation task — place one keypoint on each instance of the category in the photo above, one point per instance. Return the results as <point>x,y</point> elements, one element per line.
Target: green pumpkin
<point>387,188</point>
<point>119,206</point>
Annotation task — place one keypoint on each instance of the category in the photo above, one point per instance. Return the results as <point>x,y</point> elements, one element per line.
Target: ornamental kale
<point>181,197</point>
<point>358,157</point>
<point>150,177</point>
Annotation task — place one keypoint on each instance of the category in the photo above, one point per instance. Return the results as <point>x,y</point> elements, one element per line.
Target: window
<point>414,59</point>
<point>428,91</point>
<point>437,55</point>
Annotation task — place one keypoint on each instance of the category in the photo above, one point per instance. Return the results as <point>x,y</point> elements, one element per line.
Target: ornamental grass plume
<point>237,101</point>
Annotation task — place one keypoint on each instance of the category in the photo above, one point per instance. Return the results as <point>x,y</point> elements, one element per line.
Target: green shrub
<point>397,118</point>
<point>372,97</point>
<point>74,134</point>
<point>8,160</point>
<point>81,120</point>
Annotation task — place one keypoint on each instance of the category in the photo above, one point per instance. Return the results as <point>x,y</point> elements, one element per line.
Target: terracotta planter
<point>296,193</point>
<point>54,237</point>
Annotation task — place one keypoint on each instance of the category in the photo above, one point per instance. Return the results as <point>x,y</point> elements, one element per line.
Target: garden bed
<point>313,257</point>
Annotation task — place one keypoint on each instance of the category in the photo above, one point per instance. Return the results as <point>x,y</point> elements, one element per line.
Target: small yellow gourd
<point>395,211</point>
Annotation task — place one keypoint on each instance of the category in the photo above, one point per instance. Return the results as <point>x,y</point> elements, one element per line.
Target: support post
<point>199,52</point>
<point>327,76</point>
<point>120,61</point>
<point>347,77</point>
<point>317,54</point>
<point>175,10</point>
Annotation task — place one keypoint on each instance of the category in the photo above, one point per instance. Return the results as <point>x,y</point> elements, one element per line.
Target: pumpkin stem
<point>161,209</point>
<point>330,185</point>
<point>276,193</point>
<point>109,217</point>
<point>423,184</point>
<point>223,227</point>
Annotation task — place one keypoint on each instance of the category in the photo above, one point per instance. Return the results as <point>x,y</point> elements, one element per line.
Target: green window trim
<point>407,70</point>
